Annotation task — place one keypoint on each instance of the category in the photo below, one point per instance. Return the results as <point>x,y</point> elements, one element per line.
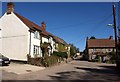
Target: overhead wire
<point>94,28</point>
<point>74,25</point>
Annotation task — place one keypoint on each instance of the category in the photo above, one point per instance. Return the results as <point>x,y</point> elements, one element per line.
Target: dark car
<point>4,60</point>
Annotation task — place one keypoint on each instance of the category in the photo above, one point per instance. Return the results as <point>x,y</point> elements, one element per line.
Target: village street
<point>74,70</point>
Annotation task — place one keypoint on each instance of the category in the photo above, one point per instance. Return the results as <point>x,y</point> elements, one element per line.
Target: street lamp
<point>115,31</point>
<point>110,25</point>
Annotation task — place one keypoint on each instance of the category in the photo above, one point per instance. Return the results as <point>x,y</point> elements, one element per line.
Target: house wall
<point>14,37</point>
<point>104,50</point>
<point>44,40</point>
<point>52,43</point>
<point>36,42</point>
<point>56,47</point>
<point>93,52</point>
<point>0,37</point>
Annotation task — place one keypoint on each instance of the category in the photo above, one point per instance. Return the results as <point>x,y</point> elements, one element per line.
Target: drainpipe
<point>30,43</point>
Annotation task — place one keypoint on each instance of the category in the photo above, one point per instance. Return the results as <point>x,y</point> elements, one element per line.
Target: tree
<point>61,47</point>
<point>92,37</point>
<point>73,50</point>
<point>77,50</point>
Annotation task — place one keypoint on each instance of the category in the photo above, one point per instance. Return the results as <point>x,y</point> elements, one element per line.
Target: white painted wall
<point>35,41</point>
<point>14,37</point>
<point>52,43</point>
<point>44,40</point>
<point>0,37</point>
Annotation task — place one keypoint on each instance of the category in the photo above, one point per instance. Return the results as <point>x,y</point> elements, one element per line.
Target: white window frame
<point>36,50</point>
<point>36,35</point>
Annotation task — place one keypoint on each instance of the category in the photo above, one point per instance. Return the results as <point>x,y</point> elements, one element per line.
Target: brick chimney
<point>10,7</point>
<point>43,24</point>
<point>111,38</point>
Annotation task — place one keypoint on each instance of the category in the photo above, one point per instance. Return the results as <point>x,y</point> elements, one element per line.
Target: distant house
<point>20,37</point>
<point>99,47</point>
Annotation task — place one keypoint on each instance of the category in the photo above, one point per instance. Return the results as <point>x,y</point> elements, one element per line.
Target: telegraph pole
<point>116,40</point>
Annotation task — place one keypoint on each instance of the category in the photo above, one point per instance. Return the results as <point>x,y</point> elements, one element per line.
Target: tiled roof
<point>32,25</point>
<point>57,39</point>
<point>99,43</point>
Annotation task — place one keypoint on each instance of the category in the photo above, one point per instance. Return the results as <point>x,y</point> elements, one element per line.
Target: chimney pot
<point>10,7</point>
<point>43,26</point>
<point>111,38</point>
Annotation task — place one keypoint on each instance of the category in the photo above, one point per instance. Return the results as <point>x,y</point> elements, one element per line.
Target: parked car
<point>4,60</point>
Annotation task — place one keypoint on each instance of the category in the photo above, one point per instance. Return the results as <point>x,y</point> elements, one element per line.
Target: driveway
<point>18,68</point>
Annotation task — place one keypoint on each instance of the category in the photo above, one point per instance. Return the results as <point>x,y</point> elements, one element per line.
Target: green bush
<point>61,47</point>
<point>43,61</point>
<point>111,61</point>
<point>112,54</point>
<point>50,61</point>
<point>97,58</point>
<point>61,54</point>
<point>35,61</point>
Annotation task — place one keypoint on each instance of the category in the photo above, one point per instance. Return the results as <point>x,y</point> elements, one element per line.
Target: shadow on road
<point>113,68</point>
<point>65,75</point>
<point>102,74</point>
<point>109,67</point>
<point>99,71</point>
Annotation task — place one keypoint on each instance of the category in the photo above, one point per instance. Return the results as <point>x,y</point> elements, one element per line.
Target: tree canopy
<point>92,37</point>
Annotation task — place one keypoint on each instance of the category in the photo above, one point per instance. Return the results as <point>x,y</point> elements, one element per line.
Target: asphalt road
<point>74,70</point>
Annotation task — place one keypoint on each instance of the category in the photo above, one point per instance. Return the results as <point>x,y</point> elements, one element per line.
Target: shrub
<point>97,58</point>
<point>61,54</point>
<point>112,58</point>
<point>112,55</point>
<point>50,61</point>
<point>44,61</point>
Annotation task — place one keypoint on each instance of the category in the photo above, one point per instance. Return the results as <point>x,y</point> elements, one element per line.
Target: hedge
<point>61,54</point>
<point>44,61</point>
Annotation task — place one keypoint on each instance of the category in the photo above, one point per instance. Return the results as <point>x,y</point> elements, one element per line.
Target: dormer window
<point>36,35</point>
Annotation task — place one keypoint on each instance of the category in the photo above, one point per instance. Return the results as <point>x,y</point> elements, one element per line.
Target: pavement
<point>20,68</point>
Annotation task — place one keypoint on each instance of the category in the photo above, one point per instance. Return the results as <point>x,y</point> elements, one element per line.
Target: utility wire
<point>74,25</point>
<point>94,29</point>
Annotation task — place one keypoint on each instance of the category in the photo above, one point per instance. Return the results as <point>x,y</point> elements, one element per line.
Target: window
<point>94,50</point>
<point>36,50</point>
<point>36,35</point>
<point>109,50</point>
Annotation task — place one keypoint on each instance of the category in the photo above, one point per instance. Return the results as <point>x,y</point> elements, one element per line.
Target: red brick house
<point>99,47</point>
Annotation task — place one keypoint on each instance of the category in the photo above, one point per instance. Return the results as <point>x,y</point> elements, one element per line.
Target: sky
<point>71,21</point>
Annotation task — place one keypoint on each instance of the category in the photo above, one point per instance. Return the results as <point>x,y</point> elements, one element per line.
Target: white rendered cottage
<point>18,36</point>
